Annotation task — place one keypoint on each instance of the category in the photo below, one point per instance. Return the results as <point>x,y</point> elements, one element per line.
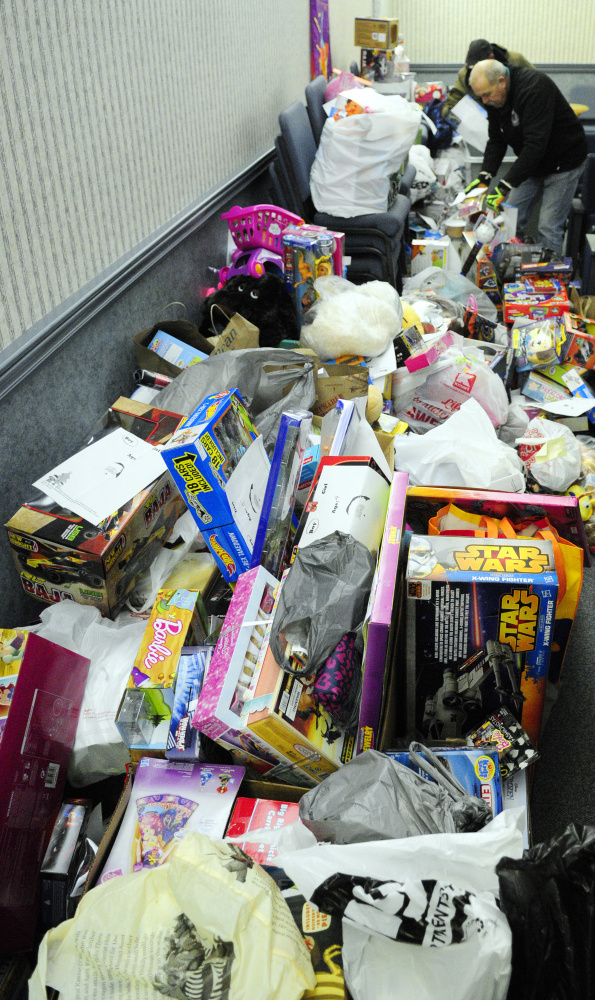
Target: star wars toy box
<point>36,745</point>
<point>220,706</point>
<point>477,771</point>
<point>479,626</point>
<point>380,624</point>
<point>61,557</point>
<point>201,457</point>
<point>145,711</point>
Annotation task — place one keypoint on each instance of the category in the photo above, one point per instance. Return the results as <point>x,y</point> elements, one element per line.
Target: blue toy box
<point>478,771</point>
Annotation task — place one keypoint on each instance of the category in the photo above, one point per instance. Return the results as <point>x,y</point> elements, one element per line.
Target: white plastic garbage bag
<point>551,453</point>
<point>351,172</point>
<point>425,178</point>
<point>457,376</point>
<point>111,647</point>
<point>463,451</point>
<point>380,961</point>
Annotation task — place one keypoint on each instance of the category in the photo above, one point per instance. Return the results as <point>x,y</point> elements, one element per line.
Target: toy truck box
<point>61,557</point>
<point>479,626</point>
<point>201,456</point>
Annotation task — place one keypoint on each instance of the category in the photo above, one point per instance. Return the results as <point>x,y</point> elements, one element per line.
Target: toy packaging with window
<point>201,456</point>
<point>476,770</point>
<point>479,624</point>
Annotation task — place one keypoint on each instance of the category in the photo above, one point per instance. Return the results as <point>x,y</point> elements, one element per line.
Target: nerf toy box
<point>381,621</point>
<point>147,702</point>
<point>61,557</point>
<point>36,745</point>
<point>201,456</point>
<point>479,625</point>
<point>477,771</point>
<point>232,668</point>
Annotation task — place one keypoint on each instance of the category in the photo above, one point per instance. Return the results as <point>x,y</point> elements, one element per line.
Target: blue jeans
<point>557,191</point>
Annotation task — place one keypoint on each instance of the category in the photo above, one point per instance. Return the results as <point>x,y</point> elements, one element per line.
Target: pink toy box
<point>382,621</point>
<point>232,668</point>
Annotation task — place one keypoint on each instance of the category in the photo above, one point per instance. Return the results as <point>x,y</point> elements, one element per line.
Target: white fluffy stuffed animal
<point>351,319</point>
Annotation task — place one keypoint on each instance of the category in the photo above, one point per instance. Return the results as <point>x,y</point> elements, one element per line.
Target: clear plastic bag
<point>449,286</point>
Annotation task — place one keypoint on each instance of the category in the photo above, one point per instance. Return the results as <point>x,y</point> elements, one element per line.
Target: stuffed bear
<point>263,301</point>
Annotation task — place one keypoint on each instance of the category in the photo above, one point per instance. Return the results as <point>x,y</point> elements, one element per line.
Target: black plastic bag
<point>549,899</point>
<point>324,596</point>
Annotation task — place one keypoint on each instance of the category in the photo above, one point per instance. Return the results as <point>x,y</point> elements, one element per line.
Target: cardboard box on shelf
<point>376,33</point>
<point>36,745</point>
<point>59,556</point>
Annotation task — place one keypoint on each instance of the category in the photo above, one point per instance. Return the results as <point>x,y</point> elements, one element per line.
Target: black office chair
<point>374,242</point>
<point>581,219</point>
<point>314,103</point>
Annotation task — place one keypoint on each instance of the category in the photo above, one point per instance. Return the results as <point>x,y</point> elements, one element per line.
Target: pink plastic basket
<point>259,226</point>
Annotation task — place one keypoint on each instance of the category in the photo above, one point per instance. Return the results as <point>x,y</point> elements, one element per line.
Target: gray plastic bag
<point>375,798</point>
<point>263,390</point>
<point>324,596</point>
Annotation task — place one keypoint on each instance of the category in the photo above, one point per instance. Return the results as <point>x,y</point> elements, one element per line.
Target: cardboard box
<point>36,745</point>
<point>581,342</point>
<point>381,620</point>
<point>378,65</point>
<point>376,33</point>
<point>348,494</point>
<point>428,253</point>
<point>201,457</point>
<point>534,306</point>
<point>480,616</point>
<point>218,713</point>
<point>61,557</point>
<point>175,351</point>
<point>260,814</point>
<point>183,330</point>
<point>478,771</point>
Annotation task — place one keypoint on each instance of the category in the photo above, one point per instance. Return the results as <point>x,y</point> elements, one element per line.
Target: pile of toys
<point>341,622</point>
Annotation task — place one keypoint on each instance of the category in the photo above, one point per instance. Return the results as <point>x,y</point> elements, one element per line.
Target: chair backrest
<point>298,139</point>
<point>354,68</point>
<point>588,186</point>
<point>286,178</point>
<point>314,102</point>
<point>278,196</point>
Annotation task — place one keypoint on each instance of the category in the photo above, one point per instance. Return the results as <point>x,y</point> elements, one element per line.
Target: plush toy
<point>264,302</point>
<point>351,319</point>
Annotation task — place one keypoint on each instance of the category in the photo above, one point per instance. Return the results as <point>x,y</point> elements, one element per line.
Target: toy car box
<point>59,556</point>
<point>36,745</point>
<point>220,704</point>
<point>201,457</point>
<point>477,771</point>
<point>380,619</point>
<point>479,625</point>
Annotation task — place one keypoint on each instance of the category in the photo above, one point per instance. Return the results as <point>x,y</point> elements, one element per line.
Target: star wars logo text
<point>519,615</point>
<point>486,558</point>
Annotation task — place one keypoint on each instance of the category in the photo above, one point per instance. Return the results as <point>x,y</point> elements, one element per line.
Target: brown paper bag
<point>583,305</point>
<point>239,334</point>
<point>344,381</point>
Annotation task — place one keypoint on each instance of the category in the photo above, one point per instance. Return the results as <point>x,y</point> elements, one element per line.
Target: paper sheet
<point>246,488</point>
<point>100,479</point>
<point>384,364</point>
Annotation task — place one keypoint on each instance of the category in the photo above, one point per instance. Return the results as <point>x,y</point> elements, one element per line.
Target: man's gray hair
<point>491,69</point>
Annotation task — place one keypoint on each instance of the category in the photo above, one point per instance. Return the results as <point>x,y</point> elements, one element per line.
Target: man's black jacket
<point>539,124</point>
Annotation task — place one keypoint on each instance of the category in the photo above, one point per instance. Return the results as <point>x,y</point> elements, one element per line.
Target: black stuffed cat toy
<point>263,301</point>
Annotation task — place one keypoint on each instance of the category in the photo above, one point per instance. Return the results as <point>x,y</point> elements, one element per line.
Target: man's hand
<point>498,195</point>
<point>482,180</point>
